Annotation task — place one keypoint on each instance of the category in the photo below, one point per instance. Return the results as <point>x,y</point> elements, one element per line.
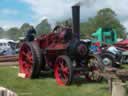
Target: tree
<point>105,18</point>
<point>24,28</point>
<point>2,33</point>
<point>1,29</point>
<point>13,33</point>
<point>43,27</point>
<point>67,22</point>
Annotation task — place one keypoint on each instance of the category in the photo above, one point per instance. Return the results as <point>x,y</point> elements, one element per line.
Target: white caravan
<point>5,47</point>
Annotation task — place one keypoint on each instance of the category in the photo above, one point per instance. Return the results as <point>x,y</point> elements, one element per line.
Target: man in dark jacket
<point>30,36</point>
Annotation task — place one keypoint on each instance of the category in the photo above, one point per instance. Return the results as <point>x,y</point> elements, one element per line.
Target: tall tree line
<point>14,33</point>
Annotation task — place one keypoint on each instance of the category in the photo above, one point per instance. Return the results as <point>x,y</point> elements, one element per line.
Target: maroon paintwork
<point>122,44</point>
<point>53,45</point>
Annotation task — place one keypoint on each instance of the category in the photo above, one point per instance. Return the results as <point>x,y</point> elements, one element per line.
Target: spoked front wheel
<point>63,70</point>
<point>95,67</point>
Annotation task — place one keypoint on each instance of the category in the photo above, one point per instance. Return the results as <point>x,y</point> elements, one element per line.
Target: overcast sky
<point>16,12</point>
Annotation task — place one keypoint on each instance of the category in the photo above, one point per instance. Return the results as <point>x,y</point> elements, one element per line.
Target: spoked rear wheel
<point>63,70</point>
<point>29,60</point>
<point>95,67</point>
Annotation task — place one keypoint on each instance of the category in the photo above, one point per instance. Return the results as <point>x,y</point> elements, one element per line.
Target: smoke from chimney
<point>87,3</point>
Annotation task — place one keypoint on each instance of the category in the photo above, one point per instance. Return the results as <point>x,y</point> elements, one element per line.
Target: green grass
<point>124,66</point>
<point>46,86</point>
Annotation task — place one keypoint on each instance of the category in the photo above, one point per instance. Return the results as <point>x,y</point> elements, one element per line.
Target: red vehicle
<point>122,44</point>
<point>63,52</point>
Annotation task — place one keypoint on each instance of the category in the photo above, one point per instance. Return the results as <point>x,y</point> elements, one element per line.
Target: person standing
<point>30,36</point>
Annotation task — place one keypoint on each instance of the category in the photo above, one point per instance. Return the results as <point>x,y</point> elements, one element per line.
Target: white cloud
<point>6,24</point>
<point>60,9</point>
<point>6,11</point>
<point>52,9</point>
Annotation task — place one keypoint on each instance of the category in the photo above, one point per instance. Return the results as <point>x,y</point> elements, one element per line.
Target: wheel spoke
<point>23,53</point>
<point>62,66</point>
<point>28,61</point>
<point>28,65</point>
<point>24,63</point>
<point>65,77</point>
<point>61,62</point>
<point>65,70</point>
<point>29,58</point>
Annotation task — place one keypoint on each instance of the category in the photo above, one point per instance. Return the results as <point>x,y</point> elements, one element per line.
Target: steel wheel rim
<point>107,62</point>
<point>61,71</point>
<point>25,60</point>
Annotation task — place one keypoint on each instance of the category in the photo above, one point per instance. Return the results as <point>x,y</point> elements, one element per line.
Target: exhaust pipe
<point>76,21</point>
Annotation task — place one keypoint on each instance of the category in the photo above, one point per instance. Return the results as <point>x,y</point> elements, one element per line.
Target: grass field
<point>46,86</point>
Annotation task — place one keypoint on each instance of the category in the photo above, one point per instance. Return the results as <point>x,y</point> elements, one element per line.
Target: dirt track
<point>8,63</point>
<point>9,60</point>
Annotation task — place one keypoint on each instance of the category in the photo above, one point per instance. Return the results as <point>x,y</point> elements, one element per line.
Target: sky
<point>16,12</point>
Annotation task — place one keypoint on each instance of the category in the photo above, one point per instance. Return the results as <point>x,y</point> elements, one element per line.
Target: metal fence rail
<point>6,92</point>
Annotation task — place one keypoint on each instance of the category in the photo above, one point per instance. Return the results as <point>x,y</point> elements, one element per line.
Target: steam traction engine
<point>63,52</point>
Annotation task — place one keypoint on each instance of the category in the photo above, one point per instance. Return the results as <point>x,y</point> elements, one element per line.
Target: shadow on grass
<point>76,81</point>
<point>80,81</point>
<point>46,74</point>
<point>104,88</point>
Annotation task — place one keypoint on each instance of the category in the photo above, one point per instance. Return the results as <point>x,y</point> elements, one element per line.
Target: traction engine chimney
<point>76,21</point>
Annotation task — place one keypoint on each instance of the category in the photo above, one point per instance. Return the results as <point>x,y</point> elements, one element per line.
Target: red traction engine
<point>63,52</point>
